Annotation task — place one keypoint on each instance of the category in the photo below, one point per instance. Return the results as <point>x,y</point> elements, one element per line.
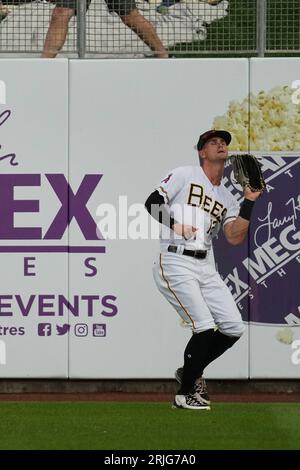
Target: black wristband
<point>246,209</point>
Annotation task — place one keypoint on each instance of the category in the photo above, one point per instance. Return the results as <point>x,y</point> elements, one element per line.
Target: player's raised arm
<point>236,230</point>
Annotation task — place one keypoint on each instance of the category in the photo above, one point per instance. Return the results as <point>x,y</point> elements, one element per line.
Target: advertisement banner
<point>264,276</point>
<point>275,249</point>
<point>34,266</point>
<point>77,246</point>
<point>266,281</point>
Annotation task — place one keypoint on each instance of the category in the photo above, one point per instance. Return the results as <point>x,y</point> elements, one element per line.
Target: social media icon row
<point>80,329</point>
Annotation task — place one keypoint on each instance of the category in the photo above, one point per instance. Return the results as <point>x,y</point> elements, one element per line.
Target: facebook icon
<point>44,329</point>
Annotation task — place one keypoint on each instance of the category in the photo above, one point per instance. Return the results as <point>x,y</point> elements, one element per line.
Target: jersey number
<point>212,225</point>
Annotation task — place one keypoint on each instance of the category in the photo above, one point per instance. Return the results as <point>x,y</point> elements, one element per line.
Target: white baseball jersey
<point>193,286</point>
<point>194,200</point>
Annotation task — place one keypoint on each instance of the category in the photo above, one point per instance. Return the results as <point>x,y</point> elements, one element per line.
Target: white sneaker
<point>190,402</point>
<point>200,386</point>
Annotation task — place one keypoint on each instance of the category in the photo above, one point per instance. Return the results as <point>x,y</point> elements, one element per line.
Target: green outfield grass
<point>237,32</point>
<point>148,426</point>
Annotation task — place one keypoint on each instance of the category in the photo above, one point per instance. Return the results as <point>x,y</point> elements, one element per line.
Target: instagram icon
<point>81,329</point>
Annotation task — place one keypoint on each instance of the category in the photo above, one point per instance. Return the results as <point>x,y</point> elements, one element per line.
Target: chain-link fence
<point>283,26</point>
<point>115,28</point>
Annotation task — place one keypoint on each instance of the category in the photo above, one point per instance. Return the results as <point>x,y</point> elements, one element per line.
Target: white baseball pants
<point>196,291</point>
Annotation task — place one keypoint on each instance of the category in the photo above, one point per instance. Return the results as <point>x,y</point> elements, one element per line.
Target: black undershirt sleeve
<point>158,209</point>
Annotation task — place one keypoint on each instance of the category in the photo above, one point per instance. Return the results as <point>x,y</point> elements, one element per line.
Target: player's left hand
<point>252,196</point>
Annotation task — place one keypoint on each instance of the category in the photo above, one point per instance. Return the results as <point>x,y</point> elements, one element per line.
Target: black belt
<point>198,254</point>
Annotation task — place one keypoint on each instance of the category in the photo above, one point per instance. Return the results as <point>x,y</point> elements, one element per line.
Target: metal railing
<point>185,27</point>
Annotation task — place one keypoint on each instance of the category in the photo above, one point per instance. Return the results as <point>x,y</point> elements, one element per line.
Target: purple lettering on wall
<point>93,270</point>
<point>43,304</point>
<point>63,302</point>
<point>90,299</point>
<point>73,205</point>
<point>51,249</point>
<point>4,116</point>
<point>10,156</point>
<point>113,307</point>
<point>4,305</point>
<point>25,309</point>
<point>8,207</point>
<point>27,266</point>
<point>57,305</point>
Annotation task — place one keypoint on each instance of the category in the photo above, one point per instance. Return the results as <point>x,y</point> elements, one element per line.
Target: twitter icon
<point>63,329</point>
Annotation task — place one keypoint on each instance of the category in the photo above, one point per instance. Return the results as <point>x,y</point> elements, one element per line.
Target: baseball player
<point>191,203</point>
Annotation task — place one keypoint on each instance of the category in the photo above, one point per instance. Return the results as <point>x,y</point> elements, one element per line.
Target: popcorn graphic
<point>285,335</point>
<point>274,123</point>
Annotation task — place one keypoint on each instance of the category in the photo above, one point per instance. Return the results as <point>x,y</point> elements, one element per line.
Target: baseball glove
<point>247,171</point>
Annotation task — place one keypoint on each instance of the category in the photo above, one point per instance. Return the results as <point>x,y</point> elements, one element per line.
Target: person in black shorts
<point>65,9</point>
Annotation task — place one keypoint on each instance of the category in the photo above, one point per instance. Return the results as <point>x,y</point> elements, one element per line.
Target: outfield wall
<point>78,302</point>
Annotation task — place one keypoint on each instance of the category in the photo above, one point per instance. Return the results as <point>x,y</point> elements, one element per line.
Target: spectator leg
<point>146,31</point>
<point>57,32</point>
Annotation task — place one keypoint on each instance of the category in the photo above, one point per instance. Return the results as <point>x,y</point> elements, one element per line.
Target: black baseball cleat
<point>200,385</point>
<point>192,401</point>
